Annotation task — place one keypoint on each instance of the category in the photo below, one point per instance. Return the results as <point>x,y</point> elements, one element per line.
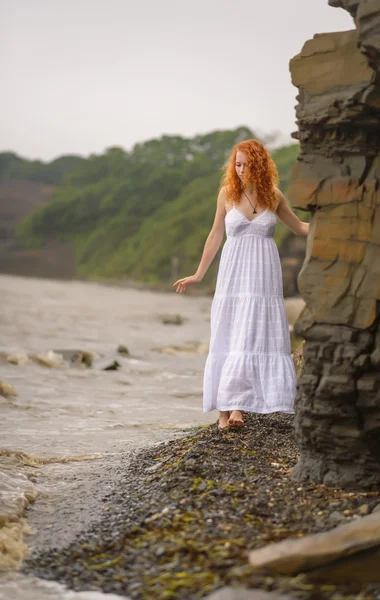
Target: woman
<point>249,366</point>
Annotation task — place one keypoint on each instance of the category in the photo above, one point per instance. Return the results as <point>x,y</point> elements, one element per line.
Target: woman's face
<point>240,164</point>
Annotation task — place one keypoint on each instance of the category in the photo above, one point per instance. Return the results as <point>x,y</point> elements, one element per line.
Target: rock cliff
<point>337,177</point>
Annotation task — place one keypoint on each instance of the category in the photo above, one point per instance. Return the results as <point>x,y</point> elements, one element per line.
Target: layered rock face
<point>338,179</point>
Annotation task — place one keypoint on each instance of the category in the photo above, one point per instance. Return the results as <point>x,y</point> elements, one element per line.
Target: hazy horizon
<point>86,75</point>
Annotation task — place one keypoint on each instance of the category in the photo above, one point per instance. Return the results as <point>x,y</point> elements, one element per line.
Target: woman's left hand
<point>186,281</point>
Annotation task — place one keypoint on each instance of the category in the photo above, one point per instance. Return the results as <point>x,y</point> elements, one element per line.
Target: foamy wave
<point>16,494</point>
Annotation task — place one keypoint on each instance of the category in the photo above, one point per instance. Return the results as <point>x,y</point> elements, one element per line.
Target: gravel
<point>183,516</point>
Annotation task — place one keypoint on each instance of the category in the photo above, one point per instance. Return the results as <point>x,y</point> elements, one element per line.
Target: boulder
<point>362,568</point>
<point>293,556</point>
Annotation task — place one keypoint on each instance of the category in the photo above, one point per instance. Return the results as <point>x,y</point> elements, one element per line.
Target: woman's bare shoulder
<point>224,198</point>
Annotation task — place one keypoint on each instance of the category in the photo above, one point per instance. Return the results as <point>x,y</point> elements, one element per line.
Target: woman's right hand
<point>185,281</point>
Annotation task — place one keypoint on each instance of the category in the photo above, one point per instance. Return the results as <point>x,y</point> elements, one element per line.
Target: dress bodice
<point>238,224</point>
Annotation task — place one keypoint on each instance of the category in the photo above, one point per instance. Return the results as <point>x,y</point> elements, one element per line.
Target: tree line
<point>131,214</point>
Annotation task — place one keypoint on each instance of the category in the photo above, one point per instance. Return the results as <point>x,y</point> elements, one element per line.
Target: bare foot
<point>223,419</point>
<point>236,419</point>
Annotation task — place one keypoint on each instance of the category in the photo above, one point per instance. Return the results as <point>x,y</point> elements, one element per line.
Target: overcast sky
<point>81,75</point>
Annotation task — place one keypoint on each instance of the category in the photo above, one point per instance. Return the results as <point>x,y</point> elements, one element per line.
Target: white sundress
<point>249,366</point>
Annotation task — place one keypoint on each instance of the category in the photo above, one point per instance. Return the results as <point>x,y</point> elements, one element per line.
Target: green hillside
<point>128,214</point>
<point>14,167</point>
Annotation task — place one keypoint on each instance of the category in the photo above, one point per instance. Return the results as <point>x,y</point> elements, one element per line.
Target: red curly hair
<point>261,172</point>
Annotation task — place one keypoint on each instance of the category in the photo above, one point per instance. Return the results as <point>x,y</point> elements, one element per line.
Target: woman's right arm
<point>211,247</point>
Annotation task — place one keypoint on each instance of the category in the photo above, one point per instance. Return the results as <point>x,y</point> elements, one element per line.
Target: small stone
<point>363,509</point>
<point>18,359</point>
<point>240,593</point>
<point>121,349</point>
<point>106,364</point>
<point>172,320</point>
<point>337,517</point>
<point>6,389</point>
<point>154,468</point>
<point>50,359</point>
<point>77,358</point>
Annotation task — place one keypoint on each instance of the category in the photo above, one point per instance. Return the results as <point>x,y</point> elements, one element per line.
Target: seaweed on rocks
<point>188,512</point>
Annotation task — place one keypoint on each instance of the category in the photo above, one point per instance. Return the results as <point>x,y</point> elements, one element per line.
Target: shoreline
<point>181,516</point>
<point>54,520</point>
<point>161,287</point>
<point>90,484</point>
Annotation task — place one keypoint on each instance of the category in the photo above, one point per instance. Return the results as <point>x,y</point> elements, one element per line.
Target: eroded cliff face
<point>338,178</point>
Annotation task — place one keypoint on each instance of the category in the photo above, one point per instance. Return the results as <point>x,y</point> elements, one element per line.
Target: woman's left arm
<point>289,218</point>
